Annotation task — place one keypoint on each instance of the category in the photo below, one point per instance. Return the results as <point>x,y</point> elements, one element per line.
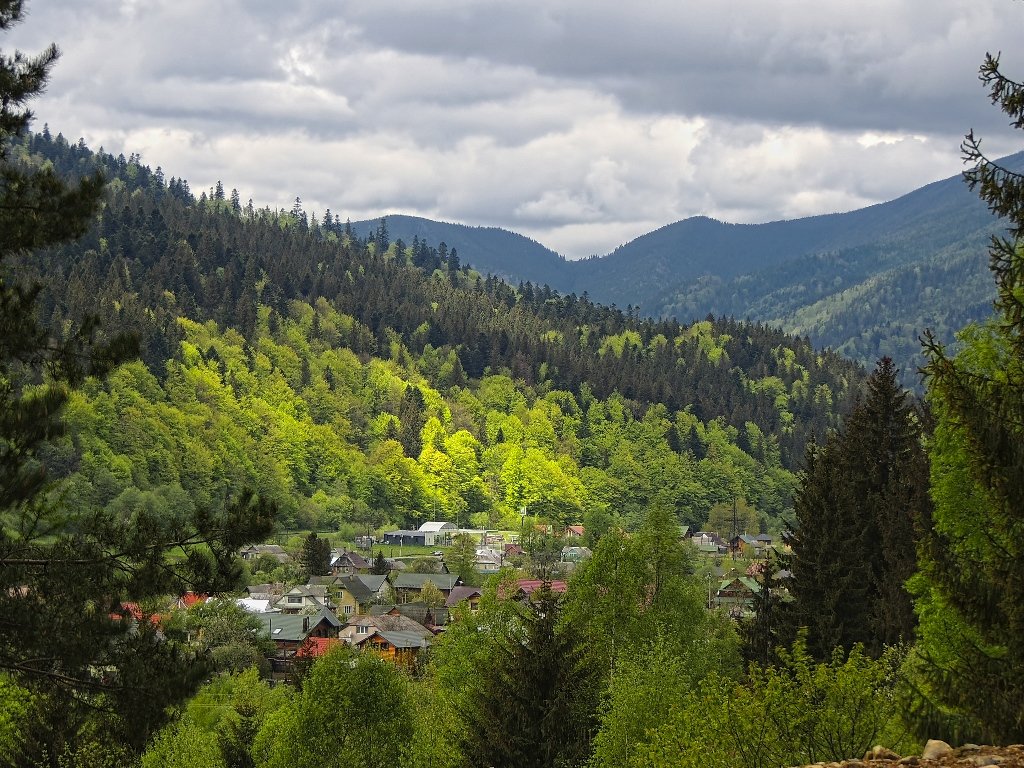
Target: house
<point>468,595</point>
<point>574,532</point>
<point>748,546</point>
<point>407,586</point>
<point>275,551</point>
<point>702,539</point>
<point>436,534</point>
<point>575,554</point>
<point>524,588</point>
<point>488,560</point>
<point>400,647</point>
<point>315,647</point>
<point>431,618</point>
<point>736,594</point>
<point>764,539</point>
<point>345,563</point>
<point>189,599</point>
<point>353,594</point>
<point>265,591</point>
<point>405,538</point>
<point>299,599</point>
<point>359,627</point>
<point>514,550</point>
<point>289,631</point>
<point>255,605</point>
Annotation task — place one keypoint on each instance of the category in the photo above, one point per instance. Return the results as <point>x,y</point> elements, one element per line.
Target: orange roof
<point>315,647</point>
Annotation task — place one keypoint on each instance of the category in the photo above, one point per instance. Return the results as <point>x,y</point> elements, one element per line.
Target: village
<point>395,605</point>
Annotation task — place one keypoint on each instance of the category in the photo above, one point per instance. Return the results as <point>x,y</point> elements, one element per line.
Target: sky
<point>580,123</point>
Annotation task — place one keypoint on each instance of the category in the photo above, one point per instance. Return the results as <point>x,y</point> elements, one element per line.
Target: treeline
<point>157,253</point>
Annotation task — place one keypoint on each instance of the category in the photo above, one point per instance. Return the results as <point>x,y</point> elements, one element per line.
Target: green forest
<point>183,376</point>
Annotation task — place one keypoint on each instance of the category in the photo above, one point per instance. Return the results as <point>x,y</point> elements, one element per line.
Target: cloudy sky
<point>580,123</point>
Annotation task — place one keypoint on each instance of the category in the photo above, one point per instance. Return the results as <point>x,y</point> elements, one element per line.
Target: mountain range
<point>866,283</point>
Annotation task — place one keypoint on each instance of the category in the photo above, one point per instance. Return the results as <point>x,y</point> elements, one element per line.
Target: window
<point>295,598</point>
<point>348,610</point>
<point>362,629</point>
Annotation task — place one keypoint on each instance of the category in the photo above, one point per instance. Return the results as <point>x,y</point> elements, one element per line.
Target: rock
<point>909,760</point>
<point>935,749</point>
<point>982,760</point>
<point>878,752</point>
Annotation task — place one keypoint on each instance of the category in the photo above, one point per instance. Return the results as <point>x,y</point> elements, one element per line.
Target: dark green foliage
<point>380,564</point>
<point>315,557</point>
<point>769,628</point>
<point>536,700</point>
<point>970,659</point>
<point>857,510</point>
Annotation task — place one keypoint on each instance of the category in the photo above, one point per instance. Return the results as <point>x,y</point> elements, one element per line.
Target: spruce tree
<point>315,557</point>
<point>970,590</point>
<point>830,573</point>
<point>535,703</point>
<point>857,511</point>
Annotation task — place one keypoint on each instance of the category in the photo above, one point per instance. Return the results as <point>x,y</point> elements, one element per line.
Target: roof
<point>253,605</point>
<point>752,584</point>
<point>421,613</point>
<point>357,560</point>
<point>289,627</point>
<point>529,586</point>
<point>443,581</point>
<point>433,526</point>
<point>577,529</point>
<point>389,622</point>
<point>372,581</point>
<point>315,647</point>
<point>458,594</point>
<point>397,639</point>
<point>265,589</point>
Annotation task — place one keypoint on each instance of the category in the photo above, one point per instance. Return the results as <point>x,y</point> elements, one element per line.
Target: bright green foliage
<point>219,725</point>
<point>638,590</point>
<point>800,712</point>
<point>970,658</point>
<point>461,559</point>
<point>353,710</point>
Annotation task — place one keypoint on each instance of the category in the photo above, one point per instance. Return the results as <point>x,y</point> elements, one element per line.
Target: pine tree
<point>64,575</point>
<point>380,565</point>
<point>970,591</point>
<point>535,704</point>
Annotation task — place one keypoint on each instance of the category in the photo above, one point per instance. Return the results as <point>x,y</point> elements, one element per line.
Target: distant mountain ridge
<point>866,283</point>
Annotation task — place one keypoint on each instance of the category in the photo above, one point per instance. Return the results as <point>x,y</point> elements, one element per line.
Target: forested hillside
<point>866,283</point>
<point>366,382</point>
